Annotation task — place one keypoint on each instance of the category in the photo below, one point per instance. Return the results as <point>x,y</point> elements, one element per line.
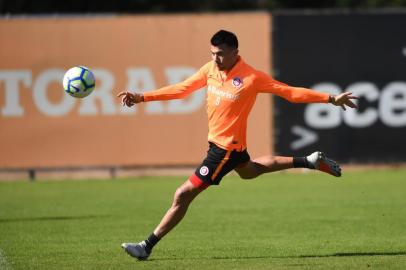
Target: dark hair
<point>225,37</point>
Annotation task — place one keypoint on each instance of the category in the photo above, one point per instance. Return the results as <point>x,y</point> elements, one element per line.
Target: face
<point>223,56</point>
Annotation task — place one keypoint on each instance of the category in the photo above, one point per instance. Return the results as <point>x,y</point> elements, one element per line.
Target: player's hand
<point>129,99</point>
<point>344,99</point>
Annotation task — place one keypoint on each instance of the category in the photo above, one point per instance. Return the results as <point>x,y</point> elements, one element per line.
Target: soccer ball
<point>78,82</point>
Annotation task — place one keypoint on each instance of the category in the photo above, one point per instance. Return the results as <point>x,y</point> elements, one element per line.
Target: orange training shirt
<point>230,98</point>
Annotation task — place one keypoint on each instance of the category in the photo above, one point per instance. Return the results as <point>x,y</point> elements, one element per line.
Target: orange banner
<point>41,126</point>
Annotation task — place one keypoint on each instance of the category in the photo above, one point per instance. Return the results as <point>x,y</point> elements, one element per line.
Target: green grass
<point>278,221</point>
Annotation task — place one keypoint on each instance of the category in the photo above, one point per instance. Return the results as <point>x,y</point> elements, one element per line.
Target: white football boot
<point>319,161</point>
<point>136,250</point>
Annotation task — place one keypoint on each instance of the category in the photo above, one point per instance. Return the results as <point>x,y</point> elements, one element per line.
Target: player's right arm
<point>176,91</point>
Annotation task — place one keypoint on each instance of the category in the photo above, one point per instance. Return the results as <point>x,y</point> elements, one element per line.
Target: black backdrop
<point>364,53</point>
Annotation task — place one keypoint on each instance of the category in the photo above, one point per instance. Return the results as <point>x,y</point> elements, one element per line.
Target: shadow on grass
<point>346,254</point>
<point>211,258</point>
<point>56,218</point>
<point>352,254</point>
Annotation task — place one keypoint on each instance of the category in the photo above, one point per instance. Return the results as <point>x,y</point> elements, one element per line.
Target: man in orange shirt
<point>232,87</point>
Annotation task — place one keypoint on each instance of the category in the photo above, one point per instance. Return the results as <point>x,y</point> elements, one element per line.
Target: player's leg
<point>208,173</point>
<point>184,195</point>
<point>266,164</point>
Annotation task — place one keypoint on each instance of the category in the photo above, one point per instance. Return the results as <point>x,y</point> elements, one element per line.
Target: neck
<point>234,63</point>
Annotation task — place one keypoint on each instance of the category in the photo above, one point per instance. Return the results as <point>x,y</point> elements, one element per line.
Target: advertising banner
<point>41,126</point>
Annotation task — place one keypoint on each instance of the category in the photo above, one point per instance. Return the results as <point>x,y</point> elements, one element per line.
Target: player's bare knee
<point>246,176</point>
<point>180,197</point>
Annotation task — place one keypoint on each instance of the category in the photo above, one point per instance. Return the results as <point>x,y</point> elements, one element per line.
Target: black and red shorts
<point>217,164</point>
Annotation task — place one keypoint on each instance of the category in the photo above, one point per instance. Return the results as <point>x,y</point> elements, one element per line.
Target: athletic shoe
<point>319,161</point>
<point>136,250</point>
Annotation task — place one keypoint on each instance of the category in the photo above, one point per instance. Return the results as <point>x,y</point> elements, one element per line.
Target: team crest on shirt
<point>237,82</point>
<point>204,170</point>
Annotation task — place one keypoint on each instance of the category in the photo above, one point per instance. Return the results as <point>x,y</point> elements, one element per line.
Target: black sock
<point>300,162</point>
<point>151,241</point>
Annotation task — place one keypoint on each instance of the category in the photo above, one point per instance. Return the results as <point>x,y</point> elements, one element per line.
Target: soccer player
<point>232,87</point>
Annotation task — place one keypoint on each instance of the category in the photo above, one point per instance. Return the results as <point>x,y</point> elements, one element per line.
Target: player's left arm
<point>266,84</point>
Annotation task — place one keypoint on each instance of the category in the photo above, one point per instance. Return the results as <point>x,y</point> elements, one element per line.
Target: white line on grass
<point>4,265</point>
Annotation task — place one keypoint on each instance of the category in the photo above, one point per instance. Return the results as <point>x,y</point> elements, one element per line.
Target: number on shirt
<point>218,99</point>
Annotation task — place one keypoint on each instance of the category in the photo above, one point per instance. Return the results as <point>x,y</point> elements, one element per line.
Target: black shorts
<point>217,164</point>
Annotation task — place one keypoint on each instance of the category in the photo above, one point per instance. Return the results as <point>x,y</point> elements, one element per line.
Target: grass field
<point>278,221</point>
